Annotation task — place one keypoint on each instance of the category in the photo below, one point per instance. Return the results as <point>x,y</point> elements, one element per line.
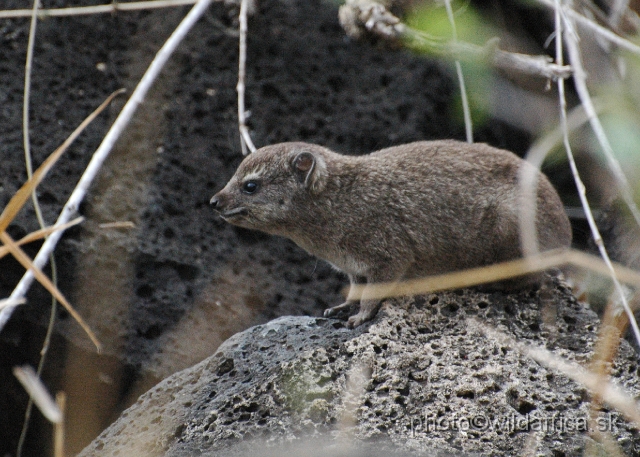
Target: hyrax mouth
<point>232,213</point>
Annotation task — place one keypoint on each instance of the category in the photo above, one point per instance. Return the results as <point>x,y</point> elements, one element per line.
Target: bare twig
<point>595,27</point>
<point>618,9</point>
<point>36,390</point>
<point>11,302</point>
<point>361,16</point>
<point>245,138</point>
<point>463,90</point>
<point>105,147</point>
<point>609,392</point>
<point>113,7</point>
<point>580,80</point>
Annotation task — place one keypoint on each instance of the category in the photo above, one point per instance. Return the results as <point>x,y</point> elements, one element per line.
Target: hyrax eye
<point>250,187</point>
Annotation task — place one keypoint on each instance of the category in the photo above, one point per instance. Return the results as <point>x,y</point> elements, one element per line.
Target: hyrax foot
<point>368,310</point>
<point>329,312</point>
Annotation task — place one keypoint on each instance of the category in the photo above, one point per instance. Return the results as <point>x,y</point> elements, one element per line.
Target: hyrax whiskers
<point>407,211</point>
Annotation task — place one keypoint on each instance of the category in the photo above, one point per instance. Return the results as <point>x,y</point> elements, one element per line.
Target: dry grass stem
<point>58,434</point>
<point>119,224</point>
<point>609,338</point>
<point>25,107</point>
<point>601,387</point>
<point>38,392</point>
<point>358,377</point>
<point>36,205</point>
<point>493,273</point>
<point>468,125</point>
<point>22,195</point>
<point>245,138</point>
<point>39,234</point>
<point>113,7</point>
<point>368,16</point>
<point>609,446</point>
<point>105,147</point>
<point>20,198</point>
<point>28,264</point>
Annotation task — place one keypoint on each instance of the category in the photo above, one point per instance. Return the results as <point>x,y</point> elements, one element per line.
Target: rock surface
<point>419,379</point>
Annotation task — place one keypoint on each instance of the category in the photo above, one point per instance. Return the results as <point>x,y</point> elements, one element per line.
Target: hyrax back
<point>418,209</point>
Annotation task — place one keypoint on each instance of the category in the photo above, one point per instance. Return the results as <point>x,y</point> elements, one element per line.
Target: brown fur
<point>407,211</point>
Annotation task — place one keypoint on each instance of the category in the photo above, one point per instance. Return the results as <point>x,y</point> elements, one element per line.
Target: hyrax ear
<point>311,170</point>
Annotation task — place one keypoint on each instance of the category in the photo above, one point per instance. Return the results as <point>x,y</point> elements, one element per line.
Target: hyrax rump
<point>407,211</point>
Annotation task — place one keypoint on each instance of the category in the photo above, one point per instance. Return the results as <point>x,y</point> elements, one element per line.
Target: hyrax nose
<point>215,201</point>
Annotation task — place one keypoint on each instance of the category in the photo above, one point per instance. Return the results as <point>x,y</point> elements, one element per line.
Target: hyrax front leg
<point>353,280</point>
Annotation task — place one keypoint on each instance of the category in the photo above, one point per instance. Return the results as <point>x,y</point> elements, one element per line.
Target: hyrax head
<point>271,184</point>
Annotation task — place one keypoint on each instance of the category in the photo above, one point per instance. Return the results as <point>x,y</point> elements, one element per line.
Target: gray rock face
<point>417,380</point>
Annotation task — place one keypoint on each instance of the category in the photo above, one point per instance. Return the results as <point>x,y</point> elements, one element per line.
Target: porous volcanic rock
<point>421,378</point>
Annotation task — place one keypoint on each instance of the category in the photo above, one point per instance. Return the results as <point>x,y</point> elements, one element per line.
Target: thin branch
<point>118,224</point>
<point>618,9</point>
<point>245,138</point>
<point>595,27</point>
<point>36,390</point>
<point>113,7</point>
<point>463,90</point>
<point>11,302</point>
<point>358,17</point>
<point>580,83</point>
<point>105,147</point>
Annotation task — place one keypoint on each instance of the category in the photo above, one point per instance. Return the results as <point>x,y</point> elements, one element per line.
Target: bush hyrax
<point>407,211</point>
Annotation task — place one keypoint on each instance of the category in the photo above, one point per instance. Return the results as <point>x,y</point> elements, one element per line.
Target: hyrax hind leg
<point>369,303</point>
<point>334,310</point>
